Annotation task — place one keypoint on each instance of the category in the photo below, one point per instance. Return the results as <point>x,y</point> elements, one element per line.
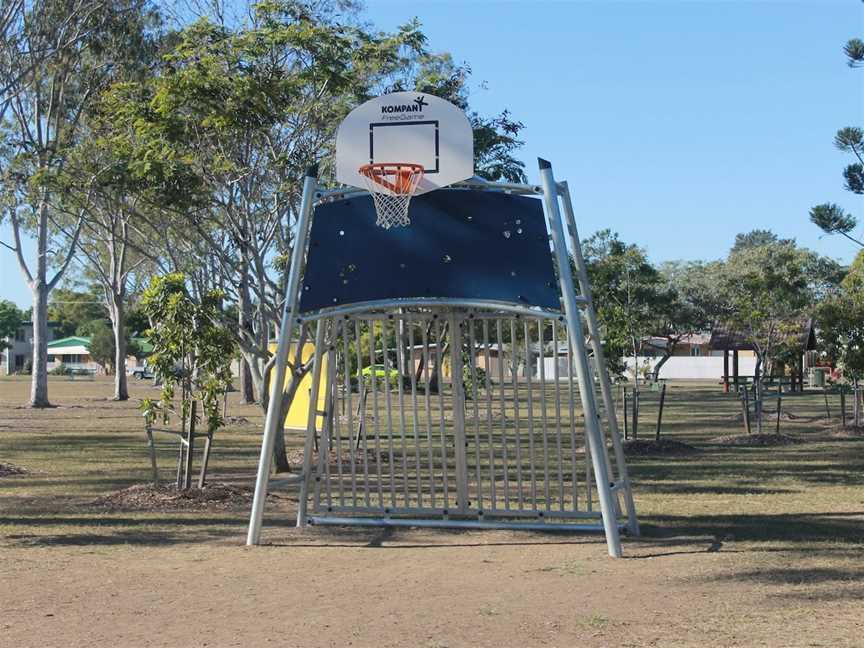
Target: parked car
<point>141,373</point>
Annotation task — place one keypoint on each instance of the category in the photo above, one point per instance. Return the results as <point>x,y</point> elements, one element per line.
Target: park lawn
<point>741,546</point>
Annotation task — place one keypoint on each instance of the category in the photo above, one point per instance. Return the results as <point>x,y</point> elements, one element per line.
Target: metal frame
<point>474,439</point>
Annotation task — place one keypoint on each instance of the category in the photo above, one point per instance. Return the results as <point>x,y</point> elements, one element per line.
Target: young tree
<point>686,304</point>
<point>830,217</point>
<point>191,350</point>
<point>627,293</point>
<point>769,290</point>
<point>841,326</point>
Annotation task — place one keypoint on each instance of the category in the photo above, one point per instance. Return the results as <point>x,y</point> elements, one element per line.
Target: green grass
<point>804,497</point>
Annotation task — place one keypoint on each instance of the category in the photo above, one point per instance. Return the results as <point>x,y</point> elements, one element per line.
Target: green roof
<point>69,342</point>
<point>76,340</point>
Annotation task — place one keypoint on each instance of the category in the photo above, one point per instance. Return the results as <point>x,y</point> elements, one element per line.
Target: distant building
<point>74,353</point>
<point>16,358</point>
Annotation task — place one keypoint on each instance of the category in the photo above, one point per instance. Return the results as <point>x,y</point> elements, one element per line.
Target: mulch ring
<point>641,447</point>
<point>848,432</point>
<point>756,440</point>
<point>149,497</point>
<point>7,470</point>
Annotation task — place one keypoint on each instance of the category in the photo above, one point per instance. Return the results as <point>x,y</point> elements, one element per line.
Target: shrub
<point>59,370</point>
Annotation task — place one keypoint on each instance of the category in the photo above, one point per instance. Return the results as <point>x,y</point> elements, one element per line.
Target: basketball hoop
<point>392,185</point>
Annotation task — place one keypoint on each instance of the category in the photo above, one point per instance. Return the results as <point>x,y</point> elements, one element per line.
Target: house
<point>16,358</point>
<point>74,353</point>
<point>692,345</point>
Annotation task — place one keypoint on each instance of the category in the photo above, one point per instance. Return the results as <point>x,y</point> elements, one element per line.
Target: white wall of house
<point>697,368</point>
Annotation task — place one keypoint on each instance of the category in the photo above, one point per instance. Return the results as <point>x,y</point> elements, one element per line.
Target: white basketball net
<point>392,186</point>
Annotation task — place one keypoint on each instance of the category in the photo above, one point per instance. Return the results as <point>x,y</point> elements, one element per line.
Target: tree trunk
<point>247,391</point>
<point>40,289</point>
<point>39,379</point>
<point>244,323</point>
<point>118,325</point>
<point>280,456</point>
<point>658,366</point>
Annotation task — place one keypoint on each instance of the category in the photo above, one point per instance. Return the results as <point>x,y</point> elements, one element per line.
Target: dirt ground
<point>742,546</point>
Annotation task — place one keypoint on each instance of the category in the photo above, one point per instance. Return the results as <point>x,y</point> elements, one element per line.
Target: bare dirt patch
<point>756,440</point>
<point>741,548</point>
<point>150,497</point>
<point>7,470</point>
<point>848,432</point>
<point>668,447</point>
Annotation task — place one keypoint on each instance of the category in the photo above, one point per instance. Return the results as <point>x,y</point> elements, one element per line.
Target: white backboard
<point>406,127</point>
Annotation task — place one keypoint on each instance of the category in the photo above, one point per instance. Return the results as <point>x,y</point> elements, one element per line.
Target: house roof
<point>80,344</point>
<point>72,341</point>
<point>728,338</point>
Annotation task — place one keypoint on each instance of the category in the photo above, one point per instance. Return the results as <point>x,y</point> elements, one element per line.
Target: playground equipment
<point>433,333</point>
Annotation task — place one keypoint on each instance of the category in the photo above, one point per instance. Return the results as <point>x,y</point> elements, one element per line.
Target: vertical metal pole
<point>425,332</point>
<point>439,370</point>
<point>388,406</point>
<point>277,382</point>
<point>600,361</point>
<point>531,458</point>
<point>346,371</point>
<point>414,412</point>
<point>312,419</point>
<point>475,419</point>
<point>458,414</point>
<point>492,486</point>
<point>515,379</point>
<point>375,417</point>
<point>543,420</point>
<point>363,432</point>
<point>556,376</point>
<point>505,459</point>
<point>330,425</point>
<point>583,374</point>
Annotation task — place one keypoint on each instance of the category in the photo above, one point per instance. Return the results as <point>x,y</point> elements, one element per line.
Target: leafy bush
<point>59,370</point>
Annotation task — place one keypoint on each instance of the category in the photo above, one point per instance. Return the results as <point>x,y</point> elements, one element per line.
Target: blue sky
<point>676,124</point>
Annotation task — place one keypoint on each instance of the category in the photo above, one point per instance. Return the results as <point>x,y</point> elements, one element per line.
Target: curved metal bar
<point>342,193</point>
<point>362,307</point>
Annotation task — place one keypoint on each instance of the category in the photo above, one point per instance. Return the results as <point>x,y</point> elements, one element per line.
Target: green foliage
<point>627,289</point>
<point>60,370</point>
<point>755,238</point>
<point>496,139</point>
<point>190,349</point>
<point>829,217</point>
<point>769,289</point>
<point>136,321</point>
<point>10,320</point>
<point>841,323</point>
<point>473,380</point>
<point>854,50</point>
<point>102,347</point>
<point>72,309</point>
